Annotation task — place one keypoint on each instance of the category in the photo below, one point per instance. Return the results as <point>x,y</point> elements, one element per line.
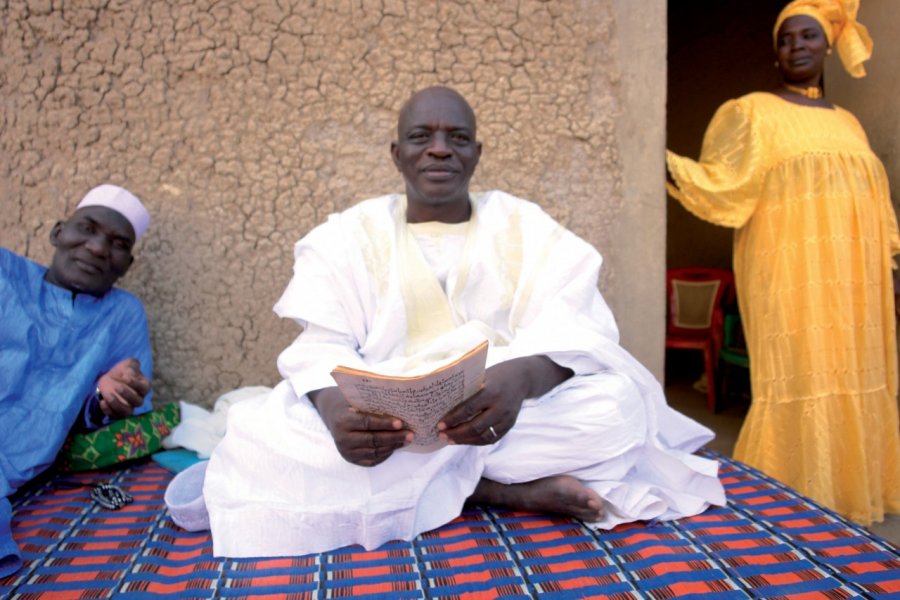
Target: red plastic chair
<point>696,296</point>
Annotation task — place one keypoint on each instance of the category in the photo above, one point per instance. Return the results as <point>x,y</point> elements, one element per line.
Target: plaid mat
<point>768,543</point>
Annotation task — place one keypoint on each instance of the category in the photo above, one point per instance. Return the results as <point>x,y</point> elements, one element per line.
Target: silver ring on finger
<point>493,433</point>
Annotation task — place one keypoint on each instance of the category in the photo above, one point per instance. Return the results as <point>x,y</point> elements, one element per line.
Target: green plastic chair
<point>733,353</point>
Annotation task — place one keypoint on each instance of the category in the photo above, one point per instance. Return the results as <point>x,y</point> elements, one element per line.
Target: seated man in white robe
<point>567,422</point>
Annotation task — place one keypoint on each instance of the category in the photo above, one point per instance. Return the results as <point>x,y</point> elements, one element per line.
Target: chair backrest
<point>695,299</point>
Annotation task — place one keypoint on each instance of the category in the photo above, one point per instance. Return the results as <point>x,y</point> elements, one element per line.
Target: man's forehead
<point>436,107</point>
<point>112,220</point>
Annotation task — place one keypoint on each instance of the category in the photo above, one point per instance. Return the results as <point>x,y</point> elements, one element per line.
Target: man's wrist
<point>545,374</point>
<point>319,400</point>
<point>325,404</point>
<point>94,416</point>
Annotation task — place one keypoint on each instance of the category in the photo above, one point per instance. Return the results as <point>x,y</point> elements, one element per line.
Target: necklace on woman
<point>813,93</point>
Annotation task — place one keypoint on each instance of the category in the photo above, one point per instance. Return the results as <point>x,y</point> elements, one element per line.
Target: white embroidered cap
<point>123,202</point>
<point>184,498</point>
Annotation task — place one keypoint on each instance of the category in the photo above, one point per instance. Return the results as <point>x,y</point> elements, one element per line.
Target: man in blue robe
<point>74,351</point>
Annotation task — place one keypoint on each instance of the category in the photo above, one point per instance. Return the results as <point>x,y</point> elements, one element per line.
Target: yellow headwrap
<point>838,20</point>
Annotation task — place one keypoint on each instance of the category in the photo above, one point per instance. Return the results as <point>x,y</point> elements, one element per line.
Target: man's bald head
<point>432,95</point>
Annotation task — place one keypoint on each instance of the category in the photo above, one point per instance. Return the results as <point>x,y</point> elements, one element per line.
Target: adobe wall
<point>243,124</point>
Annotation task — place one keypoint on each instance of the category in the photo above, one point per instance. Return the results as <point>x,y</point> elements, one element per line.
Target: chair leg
<point>725,371</point>
<point>710,367</point>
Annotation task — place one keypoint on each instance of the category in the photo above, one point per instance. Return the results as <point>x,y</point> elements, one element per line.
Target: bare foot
<point>560,494</point>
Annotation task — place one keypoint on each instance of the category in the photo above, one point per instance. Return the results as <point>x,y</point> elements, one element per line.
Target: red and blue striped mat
<point>769,542</point>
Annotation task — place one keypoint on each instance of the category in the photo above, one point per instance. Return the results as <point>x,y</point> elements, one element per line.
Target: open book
<point>421,400</point>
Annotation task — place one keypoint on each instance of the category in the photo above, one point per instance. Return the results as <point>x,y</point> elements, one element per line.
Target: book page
<point>419,401</point>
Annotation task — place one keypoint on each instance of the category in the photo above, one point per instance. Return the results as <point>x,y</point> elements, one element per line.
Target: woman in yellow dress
<point>815,233</point>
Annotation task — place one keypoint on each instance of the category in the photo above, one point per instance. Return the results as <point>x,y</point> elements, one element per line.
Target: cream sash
<point>429,312</point>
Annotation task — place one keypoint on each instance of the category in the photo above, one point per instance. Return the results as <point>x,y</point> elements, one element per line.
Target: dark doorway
<point>717,50</point>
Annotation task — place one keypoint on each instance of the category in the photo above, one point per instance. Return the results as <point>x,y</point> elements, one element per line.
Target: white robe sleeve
<point>558,310</point>
<point>564,317</point>
<point>327,307</point>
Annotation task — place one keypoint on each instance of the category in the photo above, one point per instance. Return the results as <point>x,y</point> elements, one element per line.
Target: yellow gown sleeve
<point>890,219</point>
<point>723,186</point>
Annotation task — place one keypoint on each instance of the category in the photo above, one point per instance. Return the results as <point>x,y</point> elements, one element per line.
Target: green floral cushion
<point>119,441</point>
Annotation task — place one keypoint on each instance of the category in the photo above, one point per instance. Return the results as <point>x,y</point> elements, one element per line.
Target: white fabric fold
<point>200,429</point>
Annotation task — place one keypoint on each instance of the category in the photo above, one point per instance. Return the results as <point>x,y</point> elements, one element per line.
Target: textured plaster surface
<point>242,124</point>
<point>636,246</point>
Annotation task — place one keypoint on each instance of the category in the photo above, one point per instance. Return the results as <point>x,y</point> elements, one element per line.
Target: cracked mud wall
<point>243,124</point>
